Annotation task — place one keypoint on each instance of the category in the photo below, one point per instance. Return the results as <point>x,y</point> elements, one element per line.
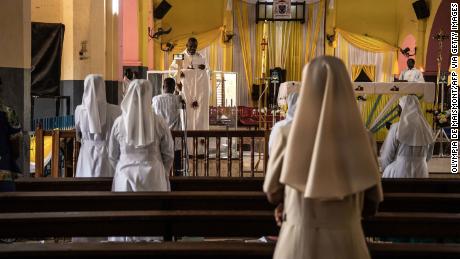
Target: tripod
<point>441,135</point>
<point>441,82</point>
<point>185,169</point>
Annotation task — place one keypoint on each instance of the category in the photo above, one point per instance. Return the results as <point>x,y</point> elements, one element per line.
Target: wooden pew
<point>105,184</point>
<point>427,185</point>
<point>198,200</point>
<point>421,202</point>
<point>166,250</point>
<point>206,250</point>
<point>207,224</point>
<point>110,201</point>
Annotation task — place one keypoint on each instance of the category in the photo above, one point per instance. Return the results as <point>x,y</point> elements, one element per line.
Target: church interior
<point>229,129</point>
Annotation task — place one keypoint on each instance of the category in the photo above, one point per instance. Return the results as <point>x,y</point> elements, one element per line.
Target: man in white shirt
<point>411,74</point>
<point>167,106</point>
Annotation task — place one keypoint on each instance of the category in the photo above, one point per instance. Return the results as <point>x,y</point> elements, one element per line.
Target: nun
<point>292,103</point>
<point>322,172</point>
<point>141,148</point>
<point>93,123</point>
<point>409,143</point>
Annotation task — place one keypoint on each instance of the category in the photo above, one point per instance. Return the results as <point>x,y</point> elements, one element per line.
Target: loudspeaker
<point>161,10</point>
<point>421,10</point>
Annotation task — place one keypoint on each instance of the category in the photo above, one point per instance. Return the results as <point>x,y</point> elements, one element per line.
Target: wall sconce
<point>156,35</point>
<point>227,37</point>
<point>330,38</point>
<point>83,50</point>
<point>167,47</point>
<point>406,52</point>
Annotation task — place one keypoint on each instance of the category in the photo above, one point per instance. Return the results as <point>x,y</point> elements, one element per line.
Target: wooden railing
<point>259,136</point>
<point>56,136</point>
<point>229,136</point>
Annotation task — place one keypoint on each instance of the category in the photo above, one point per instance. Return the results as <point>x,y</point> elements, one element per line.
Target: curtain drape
<point>369,70</point>
<point>314,30</point>
<point>243,27</point>
<point>355,49</point>
<point>291,44</point>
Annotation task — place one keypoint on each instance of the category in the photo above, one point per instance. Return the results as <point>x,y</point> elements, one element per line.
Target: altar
<point>378,102</point>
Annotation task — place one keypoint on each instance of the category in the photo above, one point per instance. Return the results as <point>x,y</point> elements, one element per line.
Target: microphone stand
<point>260,97</point>
<point>184,126</point>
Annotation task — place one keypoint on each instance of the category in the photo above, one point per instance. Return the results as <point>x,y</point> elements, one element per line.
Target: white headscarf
<point>137,114</point>
<point>413,130</point>
<point>328,152</point>
<point>94,101</point>
<point>292,105</point>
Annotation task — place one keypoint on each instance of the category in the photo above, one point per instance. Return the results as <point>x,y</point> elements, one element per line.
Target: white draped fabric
<point>358,56</point>
<point>196,90</point>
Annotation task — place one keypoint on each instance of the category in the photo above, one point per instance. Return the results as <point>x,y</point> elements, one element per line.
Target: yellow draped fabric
<point>369,70</point>
<point>365,42</point>
<point>241,13</point>
<point>47,146</point>
<point>288,48</point>
<point>295,60</point>
<point>313,29</point>
<point>228,29</point>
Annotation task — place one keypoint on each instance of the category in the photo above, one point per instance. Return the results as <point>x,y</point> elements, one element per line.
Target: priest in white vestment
<point>323,167</point>
<point>411,74</point>
<point>194,86</point>
<point>409,143</point>
<point>93,122</point>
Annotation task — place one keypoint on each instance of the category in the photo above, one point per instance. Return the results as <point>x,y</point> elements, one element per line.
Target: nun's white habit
<point>93,120</point>
<point>325,163</point>
<point>141,147</point>
<point>409,143</point>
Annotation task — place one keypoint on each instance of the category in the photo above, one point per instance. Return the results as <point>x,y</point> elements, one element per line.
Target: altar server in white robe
<point>409,143</point>
<point>323,166</point>
<point>411,74</point>
<point>93,120</point>
<point>141,147</point>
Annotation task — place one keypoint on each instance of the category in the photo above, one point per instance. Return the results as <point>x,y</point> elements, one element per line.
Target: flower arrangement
<point>442,119</point>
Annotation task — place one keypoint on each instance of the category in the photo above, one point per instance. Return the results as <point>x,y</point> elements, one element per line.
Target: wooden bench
<point>206,250</point>
<point>427,185</point>
<point>106,201</point>
<point>105,184</point>
<point>207,224</point>
<point>198,200</point>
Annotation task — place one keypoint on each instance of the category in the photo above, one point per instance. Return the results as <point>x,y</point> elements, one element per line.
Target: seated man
<point>411,74</point>
<point>167,106</point>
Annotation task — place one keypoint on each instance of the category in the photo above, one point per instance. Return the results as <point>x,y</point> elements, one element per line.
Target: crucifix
<point>263,44</point>
<point>440,135</point>
<point>440,37</point>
